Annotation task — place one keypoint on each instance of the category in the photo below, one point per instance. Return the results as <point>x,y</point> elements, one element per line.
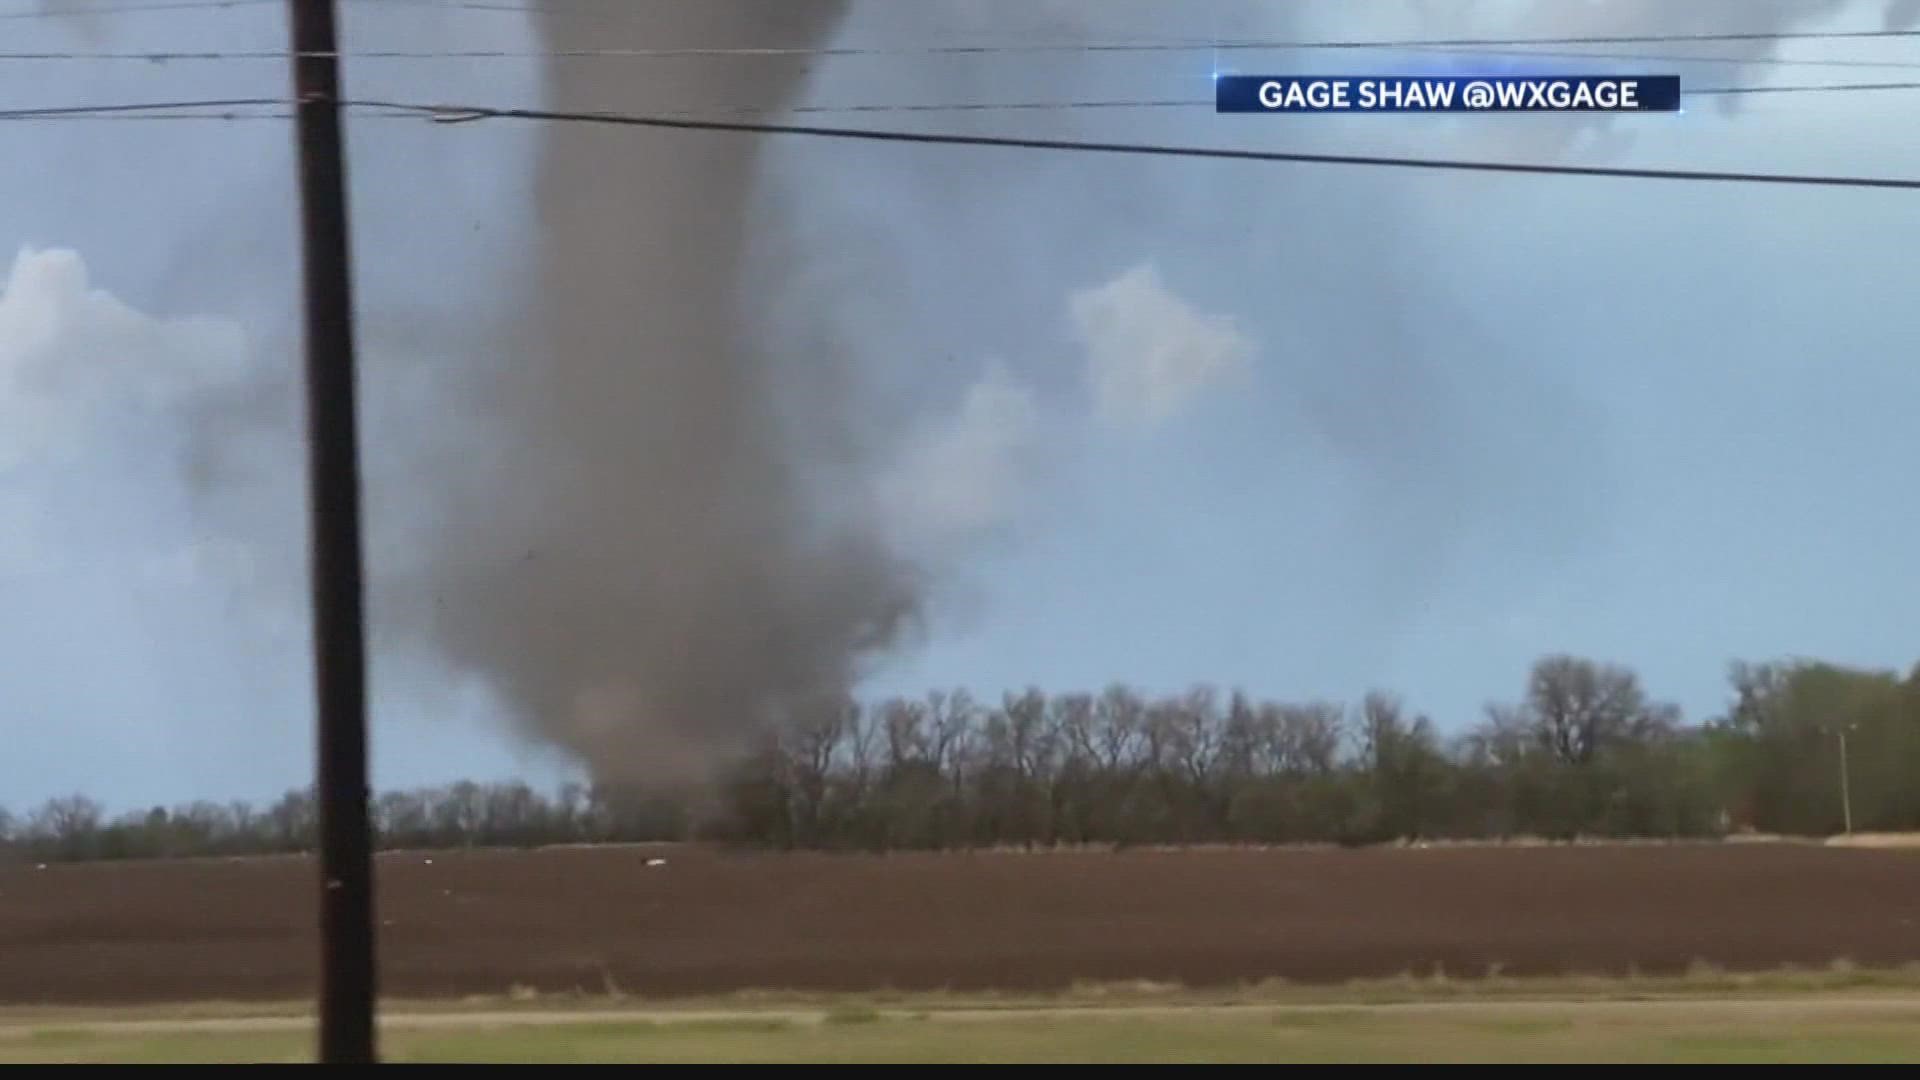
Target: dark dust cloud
<point>637,570</point>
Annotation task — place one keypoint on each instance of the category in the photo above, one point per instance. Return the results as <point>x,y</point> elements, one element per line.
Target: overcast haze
<point>1308,431</point>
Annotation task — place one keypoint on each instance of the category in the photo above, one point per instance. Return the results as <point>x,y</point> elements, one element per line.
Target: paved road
<point>1784,1006</point>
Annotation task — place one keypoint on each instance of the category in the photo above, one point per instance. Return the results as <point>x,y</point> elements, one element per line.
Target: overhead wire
<point>130,9</point>
<point>463,113</point>
<point>1276,45</point>
<point>167,110</point>
<point>1676,58</point>
<point>1184,45</point>
<point>689,119</point>
<point>1166,150</point>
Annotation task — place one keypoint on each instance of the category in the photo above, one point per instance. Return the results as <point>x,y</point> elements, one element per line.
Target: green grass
<point>1700,982</point>
<point>1698,1031</point>
<point>62,1047</point>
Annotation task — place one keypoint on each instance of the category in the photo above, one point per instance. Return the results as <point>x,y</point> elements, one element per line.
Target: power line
<point>1411,44</point>
<point>1816,88</point>
<point>482,5</point>
<point>223,109</point>
<point>181,56</point>
<point>60,111</point>
<point>498,6</point>
<point>193,5</point>
<point>133,9</point>
<point>184,116</point>
<point>1150,149</point>
<point>1184,103</point>
<point>1490,47</point>
<point>1361,44</point>
<point>1278,45</point>
<point>1195,45</point>
<point>1677,58</point>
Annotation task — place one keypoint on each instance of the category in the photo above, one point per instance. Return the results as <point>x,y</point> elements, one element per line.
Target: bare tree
<point>69,825</point>
<point>1402,761</point>
<point>1577,708</point>
<point>293,820</point>
<point>1503,740</point>
<point>809,750</point>
<point>1307,737</point>
<point>1240,739</point>
<point>1120,721</point>
<point>950,720</point>
<point>400,818</point>
<point>570,808</point>
<point>903,723</point>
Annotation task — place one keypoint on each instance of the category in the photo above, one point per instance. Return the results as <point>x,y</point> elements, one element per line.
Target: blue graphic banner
<point>1446,93</point>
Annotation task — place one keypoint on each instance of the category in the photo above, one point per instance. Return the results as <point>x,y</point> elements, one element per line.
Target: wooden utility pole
<point>347,988</point>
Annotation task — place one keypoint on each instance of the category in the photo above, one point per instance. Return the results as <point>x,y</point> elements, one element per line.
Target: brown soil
<point>707,921</point>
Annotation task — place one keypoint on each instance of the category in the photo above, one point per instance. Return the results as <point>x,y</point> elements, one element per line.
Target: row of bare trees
<point>465,814</point>
<point>1584,751</point>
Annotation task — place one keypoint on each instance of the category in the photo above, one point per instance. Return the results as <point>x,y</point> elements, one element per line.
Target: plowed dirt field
<point>709,921</point>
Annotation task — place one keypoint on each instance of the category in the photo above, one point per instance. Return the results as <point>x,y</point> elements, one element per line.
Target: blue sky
<point>1458,422</point>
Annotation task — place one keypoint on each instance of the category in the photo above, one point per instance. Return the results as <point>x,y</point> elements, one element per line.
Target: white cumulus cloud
<point>75,360</point>
<point>962,476</point>
<point>1150,353</point>
<point>92,399</point>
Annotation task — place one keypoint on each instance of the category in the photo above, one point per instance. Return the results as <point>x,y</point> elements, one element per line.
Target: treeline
<point>466,814</point>
<point>1583,752</point>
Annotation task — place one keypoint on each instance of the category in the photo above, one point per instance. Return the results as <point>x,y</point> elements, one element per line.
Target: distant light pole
<point>1846,793</point>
